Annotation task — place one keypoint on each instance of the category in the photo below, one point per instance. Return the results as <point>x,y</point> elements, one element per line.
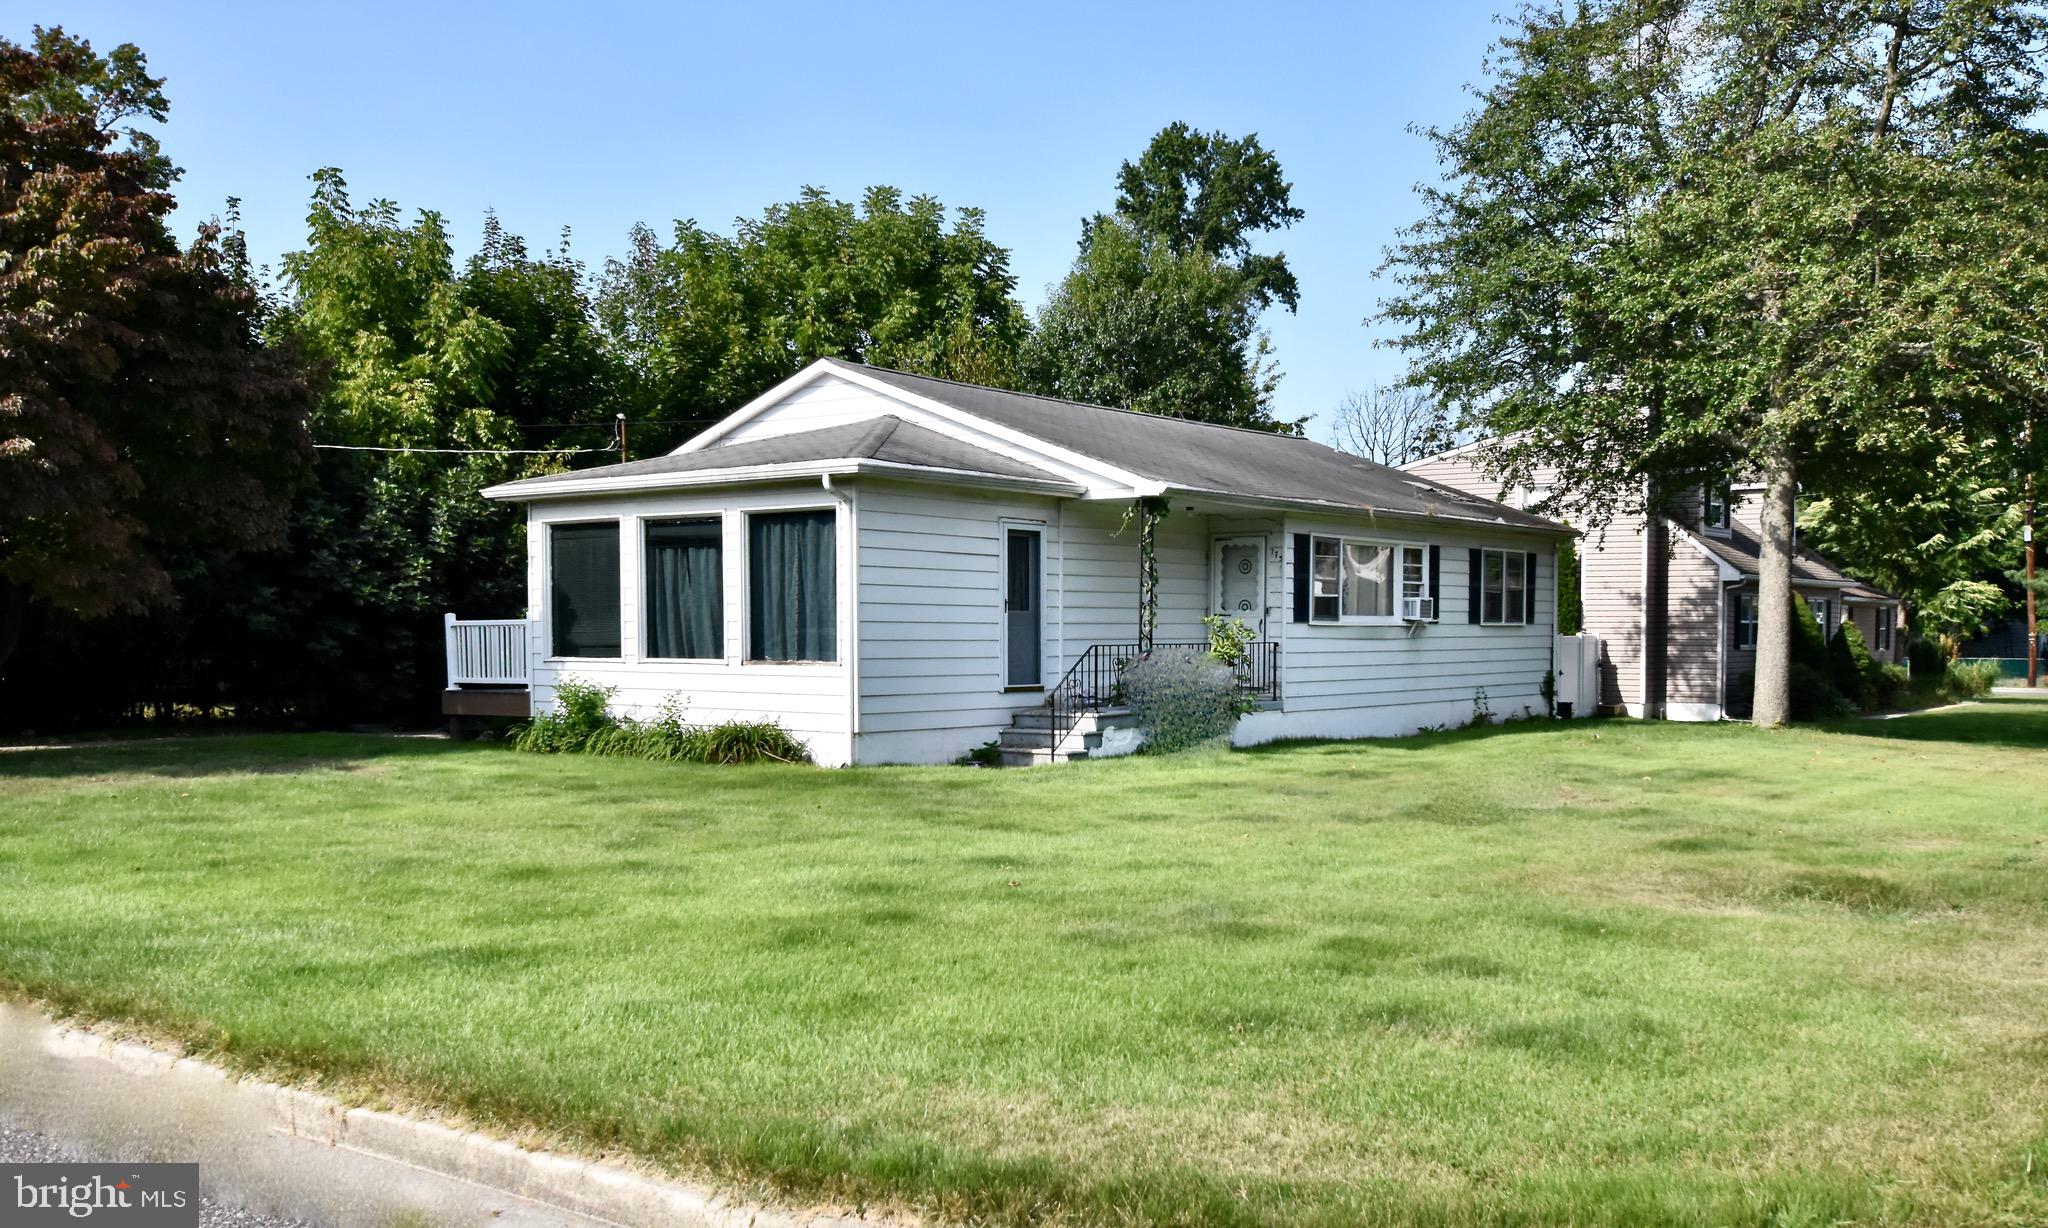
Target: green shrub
<point>747,742</point>
<point>1849,662</point>
<point>1809,642</point>
<point>1814,696</point>
<point>1924,658</point>
<point>582,711</point>
<point>1970,681</point>
<point>1230,641</point>
<point>988,754</point>
<point>584,725</point>
<point>1889,685</point>
<point>1182,701</point>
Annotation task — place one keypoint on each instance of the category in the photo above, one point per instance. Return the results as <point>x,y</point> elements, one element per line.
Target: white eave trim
<point>570,486</point>
<point>1359,510</point>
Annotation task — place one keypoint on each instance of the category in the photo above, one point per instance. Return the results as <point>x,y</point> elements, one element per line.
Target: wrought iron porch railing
<point>1095,681</point>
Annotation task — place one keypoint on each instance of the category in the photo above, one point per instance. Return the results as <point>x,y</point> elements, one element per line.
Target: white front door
<point>1239,567</point>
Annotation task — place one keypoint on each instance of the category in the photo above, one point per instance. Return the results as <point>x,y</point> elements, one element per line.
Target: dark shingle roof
<point>886,438</point>
<point>1201,456</point>
<point>1741,550</point>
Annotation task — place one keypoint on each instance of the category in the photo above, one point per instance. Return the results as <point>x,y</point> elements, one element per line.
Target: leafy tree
<point>388,539</point>
<point>1139,326</point>
<point>139,413</point>
<point>1160,312</point>
<point>1204,191</point>
<point>1959,613</point>
<point>558,367</point>
<point>1957,520</point>
<point>711,321</point>
<point>1680,237</point>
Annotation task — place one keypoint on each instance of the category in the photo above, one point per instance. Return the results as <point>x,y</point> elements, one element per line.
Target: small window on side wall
<point>1745,620</point>
<point>1715,515</point>
<point>583,589</point>
<point>1505,587</point>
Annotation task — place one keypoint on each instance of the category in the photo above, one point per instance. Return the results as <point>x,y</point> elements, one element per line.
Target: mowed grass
<point>1599,973</point>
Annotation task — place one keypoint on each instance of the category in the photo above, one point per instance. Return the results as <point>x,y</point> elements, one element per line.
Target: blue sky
<point>595,116</point>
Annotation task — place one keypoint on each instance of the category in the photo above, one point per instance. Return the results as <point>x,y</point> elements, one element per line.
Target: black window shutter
<point>1436,596</point>
<point>1529,590</point>
<point>1302,566</point>
<point>1472,586</point>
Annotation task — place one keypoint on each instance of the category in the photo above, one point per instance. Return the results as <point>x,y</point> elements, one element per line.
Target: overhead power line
<point>356,447</point>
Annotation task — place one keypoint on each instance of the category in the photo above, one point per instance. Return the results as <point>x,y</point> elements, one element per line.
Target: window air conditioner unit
<point>1418,609</point>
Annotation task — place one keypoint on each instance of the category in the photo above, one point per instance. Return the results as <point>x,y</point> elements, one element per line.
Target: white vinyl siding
<point>1356,679</point>
<point>812,700</point>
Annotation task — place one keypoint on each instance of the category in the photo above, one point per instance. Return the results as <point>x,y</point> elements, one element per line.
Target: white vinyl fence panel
<point>1578,672</point>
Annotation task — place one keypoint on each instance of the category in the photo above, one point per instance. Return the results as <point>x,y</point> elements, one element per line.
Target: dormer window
<point>1715,514</point>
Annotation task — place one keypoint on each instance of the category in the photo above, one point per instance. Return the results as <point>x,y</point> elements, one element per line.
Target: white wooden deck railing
<point>487,651</point>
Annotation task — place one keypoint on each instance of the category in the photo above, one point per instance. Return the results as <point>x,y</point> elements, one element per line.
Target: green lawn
<point>1604,973</point>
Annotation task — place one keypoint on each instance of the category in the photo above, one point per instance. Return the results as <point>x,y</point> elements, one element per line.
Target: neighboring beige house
<point>1706,570</point>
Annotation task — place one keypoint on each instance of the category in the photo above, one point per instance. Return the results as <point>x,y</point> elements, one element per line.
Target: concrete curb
<point>341,1165</point>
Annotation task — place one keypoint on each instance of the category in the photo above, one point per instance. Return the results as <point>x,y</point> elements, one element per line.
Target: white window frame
<point>1881,629</point>
<point>646,637</point>
<point>1746,610</point>
<point>627,648</point>
<point>1396,586</point>
<point>1521,562</point>
<point>1723,524</point>
<point>1818,607</point>
<point>747,660</point>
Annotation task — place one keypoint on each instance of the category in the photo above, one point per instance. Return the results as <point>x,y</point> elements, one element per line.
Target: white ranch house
<point>900,568</point>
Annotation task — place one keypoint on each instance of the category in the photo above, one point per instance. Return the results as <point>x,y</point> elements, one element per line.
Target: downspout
<point>844,496</point>
<point>1059,630</point>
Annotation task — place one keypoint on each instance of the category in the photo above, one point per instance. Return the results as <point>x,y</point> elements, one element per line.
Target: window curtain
<point>792,587</point>
<point>584,589</point>
<point>685,589</point>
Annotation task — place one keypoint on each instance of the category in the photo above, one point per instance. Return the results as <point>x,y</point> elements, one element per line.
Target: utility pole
<point>622,438</point>
<point>2033,603</point>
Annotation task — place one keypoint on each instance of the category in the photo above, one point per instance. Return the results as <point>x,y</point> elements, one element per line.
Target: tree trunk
<point>1656,610</point>
<point>1773,705</point>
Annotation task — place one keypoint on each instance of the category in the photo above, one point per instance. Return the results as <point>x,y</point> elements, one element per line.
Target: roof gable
<point>881,443</point>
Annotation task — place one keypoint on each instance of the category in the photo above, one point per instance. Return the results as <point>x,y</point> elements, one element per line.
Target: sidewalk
<point>281,1152</point>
